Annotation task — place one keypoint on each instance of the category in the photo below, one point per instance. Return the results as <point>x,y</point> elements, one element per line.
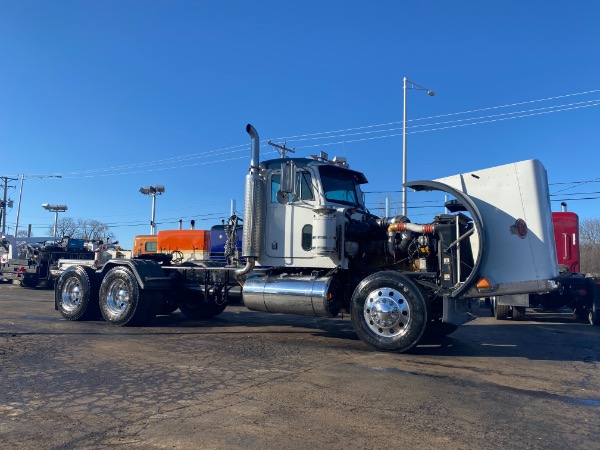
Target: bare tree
<point>589,236</point>
<point>589,231</point>
<point>94,230</point>
<point>83,229</point>
<point>65,226</point>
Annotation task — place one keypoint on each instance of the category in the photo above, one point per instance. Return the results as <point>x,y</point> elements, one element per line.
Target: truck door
<point>288,225</point>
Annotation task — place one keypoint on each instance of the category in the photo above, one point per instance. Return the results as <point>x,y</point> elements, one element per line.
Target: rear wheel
<point>501,312</point>
<point>518,312</point>
<point>389,312</point>
<point>30,280</point>
<point>594,314</point>
<point>76,294</point>
<point>193,305</point>
<point>123,303</point>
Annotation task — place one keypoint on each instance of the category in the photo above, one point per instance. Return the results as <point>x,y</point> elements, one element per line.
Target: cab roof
<point>305,162</point>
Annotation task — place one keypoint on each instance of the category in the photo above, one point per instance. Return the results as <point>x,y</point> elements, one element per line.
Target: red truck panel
<point>566,235</point>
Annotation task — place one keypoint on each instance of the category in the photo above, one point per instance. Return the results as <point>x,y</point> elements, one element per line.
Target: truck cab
<point>302,222</point>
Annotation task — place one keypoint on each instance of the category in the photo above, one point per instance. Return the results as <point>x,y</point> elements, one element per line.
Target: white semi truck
<point>311,247</point>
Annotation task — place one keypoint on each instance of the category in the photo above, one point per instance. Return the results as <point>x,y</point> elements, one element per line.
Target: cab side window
<point>275,186</point>
<point>304,186</point>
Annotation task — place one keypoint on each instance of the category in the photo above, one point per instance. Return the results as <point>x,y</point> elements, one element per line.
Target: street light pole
<point>55,209</point>
<point>404,154</point>
<point>153,191</point>
<point>152,224</point>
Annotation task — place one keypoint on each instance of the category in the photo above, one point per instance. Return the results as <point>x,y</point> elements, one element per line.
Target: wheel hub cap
<point>387,312</point>
<point>117,299</point>
<point>71,297</point>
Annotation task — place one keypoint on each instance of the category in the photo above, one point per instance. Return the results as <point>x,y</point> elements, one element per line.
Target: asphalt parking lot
<point>259,381</point>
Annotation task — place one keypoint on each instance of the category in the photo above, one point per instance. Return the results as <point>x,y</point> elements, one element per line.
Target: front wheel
<point>122,302</point>
<point>388,312</point>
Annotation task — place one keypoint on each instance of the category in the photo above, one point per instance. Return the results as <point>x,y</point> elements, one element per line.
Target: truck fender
<point>149,274</point>
<point>477,222</point>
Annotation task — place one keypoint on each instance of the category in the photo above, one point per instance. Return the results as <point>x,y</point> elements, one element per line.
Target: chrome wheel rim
<point>71,295</point>
<point>386,312</point>
<point>117,297</point>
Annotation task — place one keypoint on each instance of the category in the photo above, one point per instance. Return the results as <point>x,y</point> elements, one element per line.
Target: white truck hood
<point>513,243</point>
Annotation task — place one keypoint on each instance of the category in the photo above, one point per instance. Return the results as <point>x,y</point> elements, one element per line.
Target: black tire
<point>388,312</point>
<point>165,309</point>
<point>518,312</point>
<point>580,313</point>
<point>194,306</point>
<point>501,312</point>
<point>30,281</point>
<point>594,314</point>
<point>437,330</point>
<point>123,303</point>
<point>76,294</point>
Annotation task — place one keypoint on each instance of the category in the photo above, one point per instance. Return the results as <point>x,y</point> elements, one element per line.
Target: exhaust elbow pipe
<point>240,273</point>
<point>255,148</point>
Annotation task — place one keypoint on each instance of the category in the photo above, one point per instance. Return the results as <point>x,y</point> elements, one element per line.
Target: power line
<point>575,199</point>
<point>217,152</point>
<point>566,106</point>
<point>443,128</point>
<point>442,115</point>
<point>577,185</point>
<point>124,169</point>
<point>578,193</point>
<point>220,151</point>
<point>595,180</point>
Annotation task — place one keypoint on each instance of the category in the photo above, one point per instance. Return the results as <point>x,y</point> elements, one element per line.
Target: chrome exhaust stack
<point>254,207</point>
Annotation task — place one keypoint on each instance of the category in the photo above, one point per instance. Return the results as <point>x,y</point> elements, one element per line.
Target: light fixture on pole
<point>153,191</point>
<point>55,209</point>
<point>23,177</point>
<point>431,93</point>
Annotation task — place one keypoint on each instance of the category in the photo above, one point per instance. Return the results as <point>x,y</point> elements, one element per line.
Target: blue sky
<point>116,95</point>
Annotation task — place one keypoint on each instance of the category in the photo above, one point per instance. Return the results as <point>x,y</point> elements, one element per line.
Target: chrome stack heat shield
<point>254,203</point>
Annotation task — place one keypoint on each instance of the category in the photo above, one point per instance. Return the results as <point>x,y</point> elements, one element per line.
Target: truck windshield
<point>341,185</point>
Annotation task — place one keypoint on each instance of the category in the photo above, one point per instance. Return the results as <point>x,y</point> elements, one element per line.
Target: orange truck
<point>145,244</point>
<point>183,244</point>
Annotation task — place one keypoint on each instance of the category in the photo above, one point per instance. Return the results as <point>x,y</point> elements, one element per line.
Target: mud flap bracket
<point>459,311</point>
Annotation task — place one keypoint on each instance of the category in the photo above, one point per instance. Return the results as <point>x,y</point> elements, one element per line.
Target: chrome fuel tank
<point>286,294</point>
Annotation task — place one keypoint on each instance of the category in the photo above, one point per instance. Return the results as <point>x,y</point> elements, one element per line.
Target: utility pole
<point>282,148</point>
<point>6,186</point>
